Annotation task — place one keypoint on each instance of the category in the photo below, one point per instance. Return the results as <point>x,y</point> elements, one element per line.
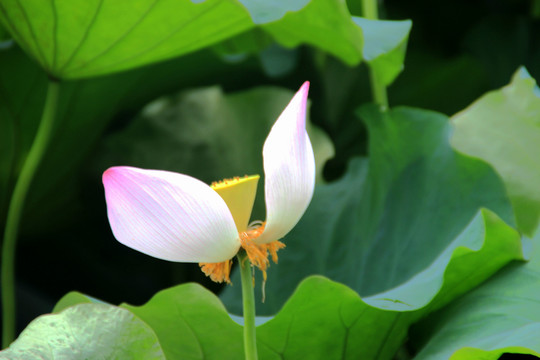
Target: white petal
<point>169,216</point>
<point>289,169</point>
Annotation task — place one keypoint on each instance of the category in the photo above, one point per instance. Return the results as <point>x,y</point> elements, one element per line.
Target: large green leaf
<point>322,319</point>
<point>370,328</point>
<point>84,38</point>
<point>385,223</point>
<point>73,39</point>
<point>486,244</point>
<point>191,323</point>
<point>375,327</point>
<point>207,134</point>
<point>503,128</point>
<point>384,46</point>
<point>83,332</point>
<point>501,316</point>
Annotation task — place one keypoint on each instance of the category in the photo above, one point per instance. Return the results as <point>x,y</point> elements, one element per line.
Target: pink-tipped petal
<point>169,216</point>
<point>289,169</point>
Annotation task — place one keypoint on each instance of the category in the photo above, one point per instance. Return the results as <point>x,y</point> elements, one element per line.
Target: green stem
<point>378,89</point>
<point>16,205</point>
<point>248,298</point>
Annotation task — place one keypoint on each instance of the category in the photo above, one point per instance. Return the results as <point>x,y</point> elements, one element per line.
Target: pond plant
<point>403,233</point>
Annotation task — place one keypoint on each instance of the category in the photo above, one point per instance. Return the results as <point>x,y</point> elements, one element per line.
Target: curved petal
<point>169,216</point>
<point>289,169</point>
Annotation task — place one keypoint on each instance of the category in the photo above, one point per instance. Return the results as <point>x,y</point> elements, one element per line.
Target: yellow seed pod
<point>239,195</point>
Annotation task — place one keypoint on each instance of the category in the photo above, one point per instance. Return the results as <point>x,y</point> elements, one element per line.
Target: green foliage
<point>508,118</point>
<point>86,331</point>
<point>325,24</point>
<point>74,39</point>
<point>385,222</point>
<point>187,318</point>
<point>501,316</point>
<point>410,235</point>
<point>191,323</point>
<point>384,47</point>
<point>86,109</point>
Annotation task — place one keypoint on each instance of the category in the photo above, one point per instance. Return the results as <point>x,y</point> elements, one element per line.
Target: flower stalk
<point>248,299</point>
<point>15,209</point>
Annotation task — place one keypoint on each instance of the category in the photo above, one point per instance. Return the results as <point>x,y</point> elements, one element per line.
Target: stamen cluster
<point>256,253</point>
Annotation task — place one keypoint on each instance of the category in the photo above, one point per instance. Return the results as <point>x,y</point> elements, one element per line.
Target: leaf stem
<point>248,298</point>
<point>378,89</point>
<point>15,209</point>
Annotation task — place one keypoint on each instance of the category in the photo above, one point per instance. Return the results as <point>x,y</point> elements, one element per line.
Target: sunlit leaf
<point>86,332</point>
<point>503,128</point>
<point>74,39</point>
<point>85,38</point>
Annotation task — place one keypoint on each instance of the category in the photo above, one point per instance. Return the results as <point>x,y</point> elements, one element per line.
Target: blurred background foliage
<point>161,116</point>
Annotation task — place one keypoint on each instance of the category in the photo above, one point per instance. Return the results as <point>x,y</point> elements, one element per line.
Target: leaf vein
<point>20,39</point>
<point>387,335</point>
<point>157,43</point>
<point>84,37</point>
<point>43,59</point>
<point>348,328</point>
<point>55,33</point>
<point>181,315</point>
<point>119,39</point>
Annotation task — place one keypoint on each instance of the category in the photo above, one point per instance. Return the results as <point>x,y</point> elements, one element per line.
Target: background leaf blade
<point>507,120</point>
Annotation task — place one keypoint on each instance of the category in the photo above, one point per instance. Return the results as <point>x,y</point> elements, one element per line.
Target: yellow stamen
<point>218,272</point>
<point>257,255</point>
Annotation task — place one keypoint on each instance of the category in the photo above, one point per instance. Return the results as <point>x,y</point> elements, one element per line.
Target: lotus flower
<point>176,217</point>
